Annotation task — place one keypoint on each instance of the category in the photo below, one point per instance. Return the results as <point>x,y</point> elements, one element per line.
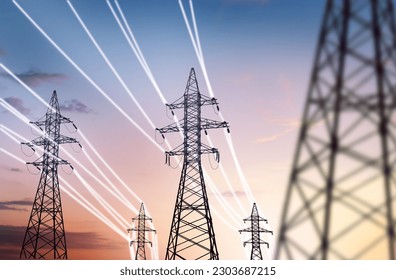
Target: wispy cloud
<point>273,137</point>
<point>14,169</point>
<point>11,205</point>
<point>75,106</point>
<point>18,104</point>
<point>34,77</point>
<point>284,124</point>
<point>2,52</point>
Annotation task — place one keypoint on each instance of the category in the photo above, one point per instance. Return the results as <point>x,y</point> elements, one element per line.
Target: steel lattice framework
<point>255,230</point>
<point>340,199</point>
<point>192,235</point>
<point>141,231</point>
<point>45,233</point>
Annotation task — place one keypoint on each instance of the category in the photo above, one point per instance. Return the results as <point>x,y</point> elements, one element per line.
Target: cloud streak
<point>14,169</point>
<point>18,104</point>
<point>75,106</point>
<point>10,205</point>
<point>34,78</point>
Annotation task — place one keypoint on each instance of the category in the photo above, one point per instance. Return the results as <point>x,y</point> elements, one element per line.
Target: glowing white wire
<point>126,88</point>
<point>71,61</point>
<point>9,132</point>
<point>136,49</point>
<point>90,208</point>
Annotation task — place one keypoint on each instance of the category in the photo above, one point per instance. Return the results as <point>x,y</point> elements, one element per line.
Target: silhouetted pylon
<point>141,232</point>
<point>45,234</point>
<point>192,235</point>
<point>255,230</point>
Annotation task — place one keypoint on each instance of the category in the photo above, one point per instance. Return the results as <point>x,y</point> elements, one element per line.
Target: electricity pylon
<point>192,235</point>
<point>45,234</point>
<point>340,199</point>
<point>255,229</point>
<point>141,231</point>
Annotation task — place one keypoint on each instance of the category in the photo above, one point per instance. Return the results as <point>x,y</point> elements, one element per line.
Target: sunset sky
<point>258,56</point>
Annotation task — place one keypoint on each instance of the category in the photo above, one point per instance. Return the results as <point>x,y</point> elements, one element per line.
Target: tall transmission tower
<point>255,229</point>
<point>340,199</point>
<point>192,235</point>
<point>45,233</point>
<point>141,230</point>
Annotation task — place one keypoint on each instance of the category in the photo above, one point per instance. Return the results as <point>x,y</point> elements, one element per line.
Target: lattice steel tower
<point>45,233</point>
<point>141,231</point>
<point>340,198</point>
<point>255,229</point>
<point>192,235</point>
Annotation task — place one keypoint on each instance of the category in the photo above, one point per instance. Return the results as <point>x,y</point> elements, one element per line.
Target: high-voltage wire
<point>45,235</point>
<point>192,233</point>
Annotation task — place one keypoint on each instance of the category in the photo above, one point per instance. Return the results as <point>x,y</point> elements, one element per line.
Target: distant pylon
<point>340,199</point>
<point>45,233</point>
<point>255,229</point>
<point>192,235</point>
<point>141,231</point>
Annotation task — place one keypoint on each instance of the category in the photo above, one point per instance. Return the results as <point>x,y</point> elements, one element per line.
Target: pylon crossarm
<point>39,123</point>
<point>39,162</point>
<point>211,124</point>
<point>264,230</point>
<point>178,104</point>
<point>175,152</point>
<point>174,127</point>
<point>205,149</point>
<point>146,218</point>
<point>67,140</point>
<point>66,120</point>
<point>205,100</point>
<point>248,219</point>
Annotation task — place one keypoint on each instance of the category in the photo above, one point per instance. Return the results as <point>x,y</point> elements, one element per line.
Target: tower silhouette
<point>340,198</point>
<point>255,229</point>
<point>141,231</point>
<point>45,234</point>
<point>192,235</point>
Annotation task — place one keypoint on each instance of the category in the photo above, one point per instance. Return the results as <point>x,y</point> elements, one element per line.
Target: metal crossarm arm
<point>211,124</point>
<point>180,104</point>
<point>174,127</point>
<point>42,141</point>
<point>41,163</point>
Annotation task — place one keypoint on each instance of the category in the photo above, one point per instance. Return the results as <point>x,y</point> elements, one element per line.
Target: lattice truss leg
<point>340,199</point>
